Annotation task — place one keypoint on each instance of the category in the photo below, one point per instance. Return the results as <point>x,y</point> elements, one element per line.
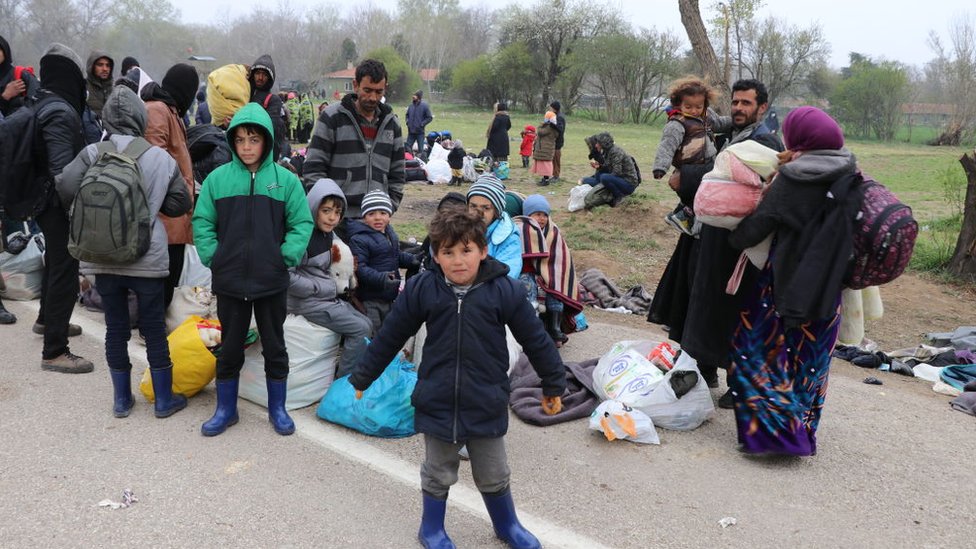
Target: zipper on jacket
<point>457,371</point>
<point>247,241</point>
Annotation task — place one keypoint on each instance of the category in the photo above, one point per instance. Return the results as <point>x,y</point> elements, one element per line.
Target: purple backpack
<point>884,236</point>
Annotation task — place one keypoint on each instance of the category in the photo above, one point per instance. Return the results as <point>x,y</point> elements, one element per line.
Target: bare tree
<point>691,19</point>
<point>782,55</point>
<point>955,70</point>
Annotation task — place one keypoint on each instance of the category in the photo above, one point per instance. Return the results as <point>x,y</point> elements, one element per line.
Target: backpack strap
<point>267,101</point>
<point>137,147</point>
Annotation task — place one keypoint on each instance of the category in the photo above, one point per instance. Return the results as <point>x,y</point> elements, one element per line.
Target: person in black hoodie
<point>60,102</point>
<point>262,78</point>
<point>14,90</point>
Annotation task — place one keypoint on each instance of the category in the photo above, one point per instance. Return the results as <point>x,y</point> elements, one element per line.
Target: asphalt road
<point>894,469</point>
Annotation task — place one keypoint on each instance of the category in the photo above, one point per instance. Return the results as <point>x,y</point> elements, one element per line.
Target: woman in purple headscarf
<point>787,330</point>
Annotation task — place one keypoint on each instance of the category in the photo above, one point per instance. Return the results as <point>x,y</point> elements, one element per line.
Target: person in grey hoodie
<point>124,116</point>
<point>313,291</point>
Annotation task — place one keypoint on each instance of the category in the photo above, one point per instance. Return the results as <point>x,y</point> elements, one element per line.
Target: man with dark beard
<point>690,298</point>
<point>358,144</point>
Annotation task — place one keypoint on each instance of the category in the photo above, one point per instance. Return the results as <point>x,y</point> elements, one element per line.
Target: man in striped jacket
<point>358,143</point>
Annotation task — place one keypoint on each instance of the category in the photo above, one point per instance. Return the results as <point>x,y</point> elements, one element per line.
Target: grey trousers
<point>343,319</point>
<point>489,465</point>
<point>377,312</point>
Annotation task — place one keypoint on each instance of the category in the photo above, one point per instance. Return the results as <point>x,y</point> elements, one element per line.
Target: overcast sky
<point>891,29</point>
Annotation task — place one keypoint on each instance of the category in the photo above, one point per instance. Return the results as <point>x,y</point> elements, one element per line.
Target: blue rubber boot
<point>432,534</point>
<point>166,403</point>
<point>226,413</point>
<point>280,420</point>
<point>501,509</point>
<point>122,388</point>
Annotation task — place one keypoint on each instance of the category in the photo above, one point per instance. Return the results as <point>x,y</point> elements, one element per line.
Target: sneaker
<point>726,401</point>
<point>67,364</point>
<point>73,329</point>
<point>679,223</point>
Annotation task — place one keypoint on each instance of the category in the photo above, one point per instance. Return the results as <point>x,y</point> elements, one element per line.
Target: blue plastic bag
<point>501,170</point>
<point>581,322</point>
<point>385,409</point>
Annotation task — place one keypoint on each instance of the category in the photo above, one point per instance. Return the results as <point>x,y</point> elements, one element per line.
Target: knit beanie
<point>181,82</point>
<point>491,188</point>
<point>128,63</point>
<point>376,200</point>
<point>809,128</point>
<point>535,203</point>
<point>556,105</point>
<point>452,198</point>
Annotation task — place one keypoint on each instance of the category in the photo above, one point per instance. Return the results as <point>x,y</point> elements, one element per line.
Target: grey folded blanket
<point>579,401</point>
<point>966,402</point>
<point>609,296</point>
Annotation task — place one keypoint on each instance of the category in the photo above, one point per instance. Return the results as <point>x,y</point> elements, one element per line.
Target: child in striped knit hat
<point>486,197</point>
<point>377,249</point>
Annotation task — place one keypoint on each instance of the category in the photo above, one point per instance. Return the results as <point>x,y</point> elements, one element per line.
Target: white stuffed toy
<point>343,267</point>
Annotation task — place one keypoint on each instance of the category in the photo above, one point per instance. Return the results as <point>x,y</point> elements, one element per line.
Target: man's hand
<point>552,405</point>
<point>13,89</point>
<point>359,394</point>
<point>594,164</point>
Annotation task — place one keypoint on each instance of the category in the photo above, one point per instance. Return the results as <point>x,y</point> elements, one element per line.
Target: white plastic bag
<point>619,421</point>
<point>577,197</point>
<point>194,272</point>
<point>23,273</point>
<point>188,301</point>
<point>438,171</point>
<point>634,384</point>
<point>312,353</point>
<point>625,374</point>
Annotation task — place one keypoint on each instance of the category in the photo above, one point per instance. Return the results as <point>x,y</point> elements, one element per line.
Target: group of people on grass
<point>269,238</point>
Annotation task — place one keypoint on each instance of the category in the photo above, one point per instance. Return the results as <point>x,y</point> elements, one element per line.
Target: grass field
<point>929,179</point>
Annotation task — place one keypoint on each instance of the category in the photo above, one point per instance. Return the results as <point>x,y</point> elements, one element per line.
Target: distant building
<point>928,114</point>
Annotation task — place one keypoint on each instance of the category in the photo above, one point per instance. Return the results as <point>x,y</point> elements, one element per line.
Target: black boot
<point>555,329</point>
<point>6,317</point>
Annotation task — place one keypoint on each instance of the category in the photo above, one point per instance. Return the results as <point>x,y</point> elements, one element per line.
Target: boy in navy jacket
<point>462,391</point>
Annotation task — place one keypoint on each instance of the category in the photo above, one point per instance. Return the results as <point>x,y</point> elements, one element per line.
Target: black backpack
<point>23,161</point>
<point>208,149</point>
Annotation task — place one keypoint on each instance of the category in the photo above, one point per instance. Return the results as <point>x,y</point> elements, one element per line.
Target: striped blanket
<point>546,253</point>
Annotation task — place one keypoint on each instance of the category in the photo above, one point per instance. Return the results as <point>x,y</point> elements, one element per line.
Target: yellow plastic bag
<point>194,366</point>
<point>227,91</point>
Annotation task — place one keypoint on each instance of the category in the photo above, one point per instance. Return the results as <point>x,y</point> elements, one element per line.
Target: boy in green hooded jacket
<point>250,225</point>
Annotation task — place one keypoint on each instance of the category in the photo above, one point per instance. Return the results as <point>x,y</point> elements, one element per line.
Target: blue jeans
<point>617,185</point>
<point>417,138</point>
<point>114,290</point>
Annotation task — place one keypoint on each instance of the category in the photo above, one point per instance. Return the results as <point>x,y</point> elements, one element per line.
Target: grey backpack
<point>109,217</point>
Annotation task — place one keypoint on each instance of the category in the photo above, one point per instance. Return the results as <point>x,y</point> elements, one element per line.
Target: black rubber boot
<point>554,325</point>
<point>6,317</point>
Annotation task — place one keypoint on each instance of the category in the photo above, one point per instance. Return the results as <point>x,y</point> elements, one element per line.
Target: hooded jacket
<point>98,89</point>
<point>528,139</point>
<point>274,105</point>
<point>249,228</point>
<point>7,76</point>
<point>377,255</point>
<point>60,103</point>
<point>418,116</point>
<point>498,135</point>
<point>339,151</point>
<point>311,285</point>
<point>813,245</point>
<point>544,147</point>
<point>618,162</point>
<point>124,117</point>
<point>462,386</point>
<point>505,244</point>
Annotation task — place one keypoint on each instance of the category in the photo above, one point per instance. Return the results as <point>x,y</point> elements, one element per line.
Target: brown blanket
<point>579,401</point>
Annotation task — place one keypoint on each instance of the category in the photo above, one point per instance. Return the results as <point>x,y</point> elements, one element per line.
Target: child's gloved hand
<point>552,405</point>
<point>391,283</point>
<point>359,394</point>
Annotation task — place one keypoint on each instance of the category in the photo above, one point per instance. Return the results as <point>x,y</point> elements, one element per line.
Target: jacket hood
<point>819,166</point>
<point>324,188</point>
<point>124,113</point>
<point>62,75</point>
<point>7,56</point>
<point>604,139</point>
<point>252,113</point>
<point>263,62</point>
<point>357,226</point>
<point>60,50</point>
<point>95,56</point>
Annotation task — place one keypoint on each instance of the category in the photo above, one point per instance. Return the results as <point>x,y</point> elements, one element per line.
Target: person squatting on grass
<point>462,391</point>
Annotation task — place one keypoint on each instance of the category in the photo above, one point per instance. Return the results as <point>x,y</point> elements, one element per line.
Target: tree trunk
<point>963,262</point>
<point>698,36</point>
